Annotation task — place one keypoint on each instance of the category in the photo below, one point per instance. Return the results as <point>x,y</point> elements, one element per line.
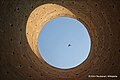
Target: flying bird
<point>69,45</point>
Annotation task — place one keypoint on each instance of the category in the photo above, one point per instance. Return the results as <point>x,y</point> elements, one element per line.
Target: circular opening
<point>64,43</point>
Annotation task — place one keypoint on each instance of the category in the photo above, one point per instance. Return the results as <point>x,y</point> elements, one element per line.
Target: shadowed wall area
<point>19,59</point>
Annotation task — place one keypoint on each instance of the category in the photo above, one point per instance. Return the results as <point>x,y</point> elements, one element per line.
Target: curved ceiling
<point>17,58</point>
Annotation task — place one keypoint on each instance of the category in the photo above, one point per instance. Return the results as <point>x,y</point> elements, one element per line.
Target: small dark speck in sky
<point>69,45</point>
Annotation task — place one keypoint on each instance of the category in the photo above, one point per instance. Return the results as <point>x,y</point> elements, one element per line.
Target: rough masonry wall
<point>18,61</point>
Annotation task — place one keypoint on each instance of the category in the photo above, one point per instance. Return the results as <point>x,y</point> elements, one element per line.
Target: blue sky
<point>55,37</point>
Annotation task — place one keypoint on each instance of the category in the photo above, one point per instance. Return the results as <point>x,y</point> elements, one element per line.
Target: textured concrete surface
<point>18,39</point>
<point>38,18</point>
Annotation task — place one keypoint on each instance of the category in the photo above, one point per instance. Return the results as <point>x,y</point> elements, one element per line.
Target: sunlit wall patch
<point>64,42</point>
<point>38,18</point>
